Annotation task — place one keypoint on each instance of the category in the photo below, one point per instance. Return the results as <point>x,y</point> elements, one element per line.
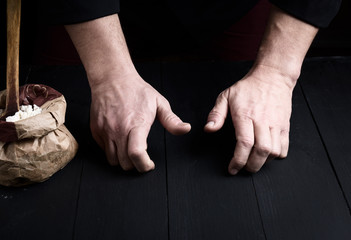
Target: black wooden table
<point>190,195</point>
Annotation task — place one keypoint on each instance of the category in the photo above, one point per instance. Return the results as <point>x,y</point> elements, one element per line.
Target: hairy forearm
<point>101,47</point>
<point>284,45</point>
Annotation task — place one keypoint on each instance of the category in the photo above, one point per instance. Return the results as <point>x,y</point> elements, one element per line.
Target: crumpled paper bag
<point>33,149</point>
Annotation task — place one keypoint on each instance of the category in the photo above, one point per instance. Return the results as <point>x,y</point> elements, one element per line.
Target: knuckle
<point>223,95</point>
<point>171,117</point>
<point>238,163</point>
<point>165,102</point>
<point>275,153</point>
<point>285,131</point>
<point>264,149</point>
<point>135,153</point>
<point>215,114</point>
<point>245,142</point>
<point>112,131</point>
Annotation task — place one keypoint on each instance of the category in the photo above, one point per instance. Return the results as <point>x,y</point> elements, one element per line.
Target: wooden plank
<point>326,84</point>
<point>45,210</point>
<point>114,204</point>
<point>299,197</point>
<point>204,201</point>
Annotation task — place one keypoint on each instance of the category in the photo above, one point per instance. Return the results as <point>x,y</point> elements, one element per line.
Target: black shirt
<point>158,26</point>
<point>191,13</point>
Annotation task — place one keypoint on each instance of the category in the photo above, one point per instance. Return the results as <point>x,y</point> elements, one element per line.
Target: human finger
<point>170,120</point>
<point>122,153</point>
<point>276,144</point>
<point>262,148</point>
<point>218,114</point>
<point>137,146</point>
<point>111,152</point>
<point>244,133</point>
<point>284,143</point>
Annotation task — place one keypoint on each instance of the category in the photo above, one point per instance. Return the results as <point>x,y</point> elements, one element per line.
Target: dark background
<point>332,41</point>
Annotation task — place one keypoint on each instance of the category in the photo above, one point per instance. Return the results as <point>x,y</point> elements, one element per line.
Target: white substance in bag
<point>25,111</point>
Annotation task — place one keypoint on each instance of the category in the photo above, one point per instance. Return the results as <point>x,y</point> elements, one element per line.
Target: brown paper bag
<point>33,149</point>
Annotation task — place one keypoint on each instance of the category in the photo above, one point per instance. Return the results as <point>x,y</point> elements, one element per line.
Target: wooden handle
<point>12,70</point>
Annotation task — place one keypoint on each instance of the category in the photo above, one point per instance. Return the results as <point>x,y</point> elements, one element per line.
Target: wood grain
<point>190,195</point>
<point>48,210</point>
<point>299,197</point>
<point>326,83</point>
<point>12,72</point>
<point>115,204</point>
<point>295,198</point>
<point>204,201</point>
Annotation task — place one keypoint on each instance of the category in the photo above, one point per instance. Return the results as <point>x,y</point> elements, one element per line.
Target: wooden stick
<point>12,69</point>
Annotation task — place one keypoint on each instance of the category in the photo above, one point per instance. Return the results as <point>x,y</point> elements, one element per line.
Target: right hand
<point>123,109</point>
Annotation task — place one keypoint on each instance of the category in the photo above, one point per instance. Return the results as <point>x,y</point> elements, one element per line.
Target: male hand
<point>260,103</point>
<point>122,112</point>
<point>260,107</point>
<point>123,105</point>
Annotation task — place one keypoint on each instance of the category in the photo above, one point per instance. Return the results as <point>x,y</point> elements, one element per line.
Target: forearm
<point>101,47</point>
<point>123,105</point>
<point>284,45</point>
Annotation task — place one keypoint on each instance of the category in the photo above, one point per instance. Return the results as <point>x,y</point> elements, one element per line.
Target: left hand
<point>260,107</point>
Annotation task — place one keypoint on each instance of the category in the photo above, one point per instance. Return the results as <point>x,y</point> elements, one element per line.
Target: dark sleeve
<point>315,12</point>
<point>75,11</point>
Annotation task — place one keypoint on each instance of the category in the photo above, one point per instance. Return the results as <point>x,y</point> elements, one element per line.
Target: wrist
<point>289,67</point>
<point>99,74</point>
<point>273,76</point>
<point>112,76</point>
<point>113,79</point>
<point>284,45</point>
<point>102,49</point>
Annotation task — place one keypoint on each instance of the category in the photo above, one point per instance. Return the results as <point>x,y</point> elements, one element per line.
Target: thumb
<point>218,114</point>
<point>169,120</point>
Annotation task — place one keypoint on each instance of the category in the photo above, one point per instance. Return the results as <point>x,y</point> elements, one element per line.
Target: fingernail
<point>210,124</point>
<point>233,171</point>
